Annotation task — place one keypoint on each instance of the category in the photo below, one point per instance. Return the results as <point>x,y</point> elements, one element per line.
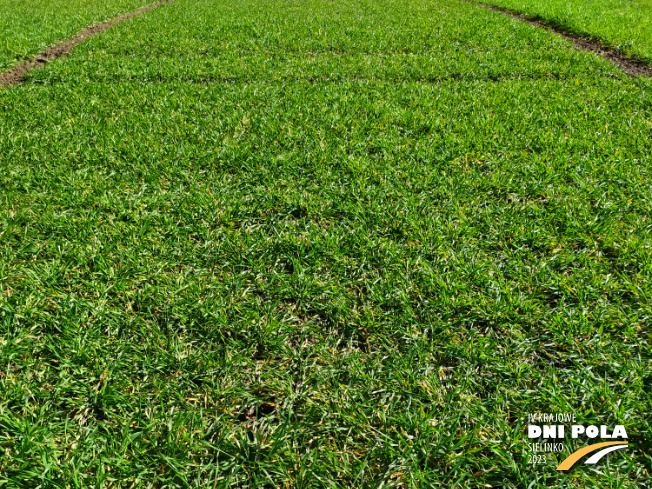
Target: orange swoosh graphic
<point>575,456</point>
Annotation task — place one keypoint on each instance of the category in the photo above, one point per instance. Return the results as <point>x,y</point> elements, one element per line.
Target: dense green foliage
<point>622,24</point>
<point>28,27</point>
<point>321,244</point>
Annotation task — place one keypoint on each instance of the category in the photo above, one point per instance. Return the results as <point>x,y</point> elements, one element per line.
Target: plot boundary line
<point>16,75</point>
<point>630,65</point>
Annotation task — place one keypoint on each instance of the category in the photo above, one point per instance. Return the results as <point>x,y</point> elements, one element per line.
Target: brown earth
<point>16,75</point>
<point>631,66</point>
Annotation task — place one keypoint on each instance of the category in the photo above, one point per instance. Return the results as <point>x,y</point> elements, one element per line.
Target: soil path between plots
<point>16,75</point>
<point>631,66</point>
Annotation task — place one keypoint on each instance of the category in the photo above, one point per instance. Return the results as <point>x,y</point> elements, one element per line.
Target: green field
<point>29,26</point>
<point>625,25</point>
<point>328,244</point>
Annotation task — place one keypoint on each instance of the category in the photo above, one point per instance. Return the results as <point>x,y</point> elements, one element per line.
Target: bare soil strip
<point>16,75</point>
<point>629,65</point>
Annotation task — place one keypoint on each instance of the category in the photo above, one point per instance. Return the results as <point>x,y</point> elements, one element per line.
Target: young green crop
<point>28,27</point>
<point>623,25</point>
<point>321,244</point>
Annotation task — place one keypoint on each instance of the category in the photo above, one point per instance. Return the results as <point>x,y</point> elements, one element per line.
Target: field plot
<point>623,25</point>
<point>321,244</point>
<point>28,27</point>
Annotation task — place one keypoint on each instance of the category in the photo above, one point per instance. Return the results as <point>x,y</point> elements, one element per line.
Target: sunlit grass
<point>29,26</point>
<point>321,244</point>
<point>623,25</point>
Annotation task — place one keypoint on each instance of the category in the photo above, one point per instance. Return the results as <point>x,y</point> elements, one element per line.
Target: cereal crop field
<point>322,244</point>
